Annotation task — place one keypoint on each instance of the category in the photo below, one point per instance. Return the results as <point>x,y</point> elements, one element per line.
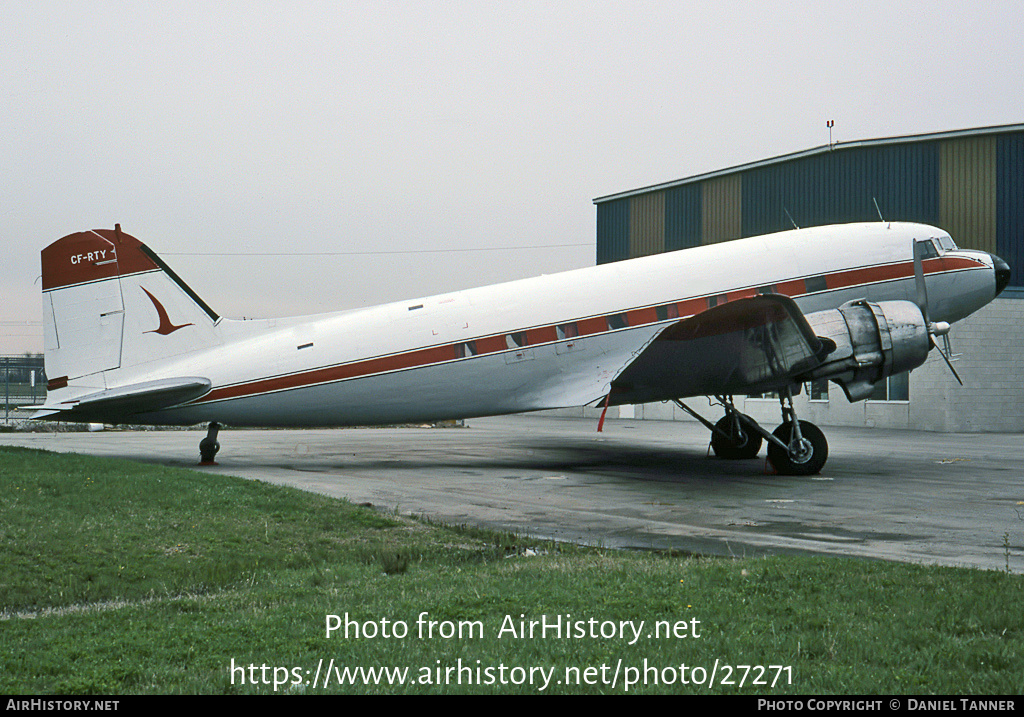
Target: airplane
<point>128,342</point>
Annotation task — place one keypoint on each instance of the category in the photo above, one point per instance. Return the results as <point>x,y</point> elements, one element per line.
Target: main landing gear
<point>795,448</point>
<point>733,437</point>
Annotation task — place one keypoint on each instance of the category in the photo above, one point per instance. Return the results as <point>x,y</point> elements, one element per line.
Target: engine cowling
<point>872,342</point>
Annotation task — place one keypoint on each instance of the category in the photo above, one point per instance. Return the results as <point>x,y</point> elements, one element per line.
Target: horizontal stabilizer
<point>116,403</point>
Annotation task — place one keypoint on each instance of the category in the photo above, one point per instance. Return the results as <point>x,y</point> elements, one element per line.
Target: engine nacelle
<point>872,342</point>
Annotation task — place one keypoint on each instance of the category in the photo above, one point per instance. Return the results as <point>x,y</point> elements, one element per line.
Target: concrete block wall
<point>990,345</point>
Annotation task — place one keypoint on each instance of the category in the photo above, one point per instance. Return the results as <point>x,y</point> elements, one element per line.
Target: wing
<point>746,346</point>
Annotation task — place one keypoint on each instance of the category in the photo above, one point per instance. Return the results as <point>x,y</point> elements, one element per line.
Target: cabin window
<point>617,321</point>
<point>568,331</point>
<point>666,312</point>
<point>465,350</point>
<point>815,284</point>
<point>516,340</point>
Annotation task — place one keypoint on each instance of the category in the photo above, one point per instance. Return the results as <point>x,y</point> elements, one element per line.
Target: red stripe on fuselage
<point>385,364</point>
<point>435,355</point>
<point>891,272</point>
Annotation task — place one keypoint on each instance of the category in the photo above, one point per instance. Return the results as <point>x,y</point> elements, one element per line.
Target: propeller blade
<point>945,358</point>
<point>940,328</point>
<point>922,288</point>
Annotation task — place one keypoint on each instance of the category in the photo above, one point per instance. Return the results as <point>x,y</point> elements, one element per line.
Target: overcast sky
<point>289,128</point>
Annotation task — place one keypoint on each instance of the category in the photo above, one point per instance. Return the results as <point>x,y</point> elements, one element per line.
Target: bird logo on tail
<point>165,327</point>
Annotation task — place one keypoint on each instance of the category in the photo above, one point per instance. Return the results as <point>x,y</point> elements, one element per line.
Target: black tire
<point>733,448</point>
<point>810,462</point>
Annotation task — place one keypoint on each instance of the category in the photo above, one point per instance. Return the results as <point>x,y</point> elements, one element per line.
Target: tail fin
<point>110,303</point>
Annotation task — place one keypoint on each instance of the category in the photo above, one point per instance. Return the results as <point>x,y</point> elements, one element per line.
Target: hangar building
<point>968,182</point>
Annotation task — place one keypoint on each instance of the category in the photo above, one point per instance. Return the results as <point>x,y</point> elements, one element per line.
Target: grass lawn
<point>121,578</point>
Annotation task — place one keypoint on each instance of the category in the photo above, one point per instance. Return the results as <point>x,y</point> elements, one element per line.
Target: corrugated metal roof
<point>835,147</point>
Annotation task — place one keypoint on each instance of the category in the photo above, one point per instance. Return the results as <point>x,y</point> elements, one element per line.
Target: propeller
<point>938,328</point>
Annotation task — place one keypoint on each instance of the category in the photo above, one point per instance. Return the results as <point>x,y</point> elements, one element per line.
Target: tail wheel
<point>744,445</point>
<point>803,458</point>
<point>209,446</point>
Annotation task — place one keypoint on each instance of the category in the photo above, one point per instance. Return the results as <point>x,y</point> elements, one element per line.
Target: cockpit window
<point>946,242</point>
<point>928,250</point>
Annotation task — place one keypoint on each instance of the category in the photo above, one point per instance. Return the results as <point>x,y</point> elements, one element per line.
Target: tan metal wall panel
<point>722,211</point>
<point>967,191</point>
<point>647,224</point>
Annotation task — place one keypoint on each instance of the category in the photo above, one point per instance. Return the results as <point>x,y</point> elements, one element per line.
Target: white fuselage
<point>546,342</point>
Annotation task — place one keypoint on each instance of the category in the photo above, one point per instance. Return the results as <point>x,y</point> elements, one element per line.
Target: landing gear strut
<point>209,446</point>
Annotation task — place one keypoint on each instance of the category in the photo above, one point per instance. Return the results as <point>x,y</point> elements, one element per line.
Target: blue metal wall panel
<point>840,186</point>
<point>1010,204</point>
<point>682,217</point>
<point>613,231</point>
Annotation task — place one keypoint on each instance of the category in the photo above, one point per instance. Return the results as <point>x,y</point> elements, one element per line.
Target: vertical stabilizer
<point>109,304</point>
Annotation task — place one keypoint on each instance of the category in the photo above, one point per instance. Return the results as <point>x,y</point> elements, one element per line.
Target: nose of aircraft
<point>1002,273</point>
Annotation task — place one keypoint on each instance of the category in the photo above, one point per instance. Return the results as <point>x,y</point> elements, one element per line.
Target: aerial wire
<point>368,253</point>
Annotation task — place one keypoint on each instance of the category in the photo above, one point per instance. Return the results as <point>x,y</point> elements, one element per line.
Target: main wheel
<point>744,445</point>
<point>804,459</point>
